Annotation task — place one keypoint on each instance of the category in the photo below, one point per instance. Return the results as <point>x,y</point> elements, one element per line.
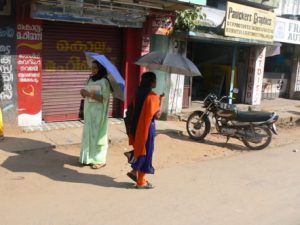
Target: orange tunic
<point>149,109</point>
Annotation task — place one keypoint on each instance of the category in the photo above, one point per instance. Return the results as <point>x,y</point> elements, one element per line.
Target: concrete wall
<point>8,98</point>
<point>176,81</point>
<point>295,75</point>
<point>161,43</point>
<point>170,84</point>
<point>176,94</point>
<point>274,85</point>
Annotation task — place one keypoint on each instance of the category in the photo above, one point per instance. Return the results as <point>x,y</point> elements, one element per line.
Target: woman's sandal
<point>148,185</point>
<point>132,176</point>
<point>98,166</point>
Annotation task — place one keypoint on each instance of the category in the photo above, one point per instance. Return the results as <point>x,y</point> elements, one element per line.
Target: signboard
<point>7,60</point>
<point>8,98</point>
<point>248,22</point>
<point>256,75</point>
<point>289,7</point>
<point>213,17</point>
<point>29,69</point>
<point>162,24</point>
<point>287,31</point>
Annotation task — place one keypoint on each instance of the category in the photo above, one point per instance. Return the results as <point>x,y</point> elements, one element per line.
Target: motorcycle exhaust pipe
<point>273,128</point>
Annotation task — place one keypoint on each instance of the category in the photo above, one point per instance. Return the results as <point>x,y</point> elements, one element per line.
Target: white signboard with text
<point>289,7</point>
<point>255,75</point>
<point>287,31</point>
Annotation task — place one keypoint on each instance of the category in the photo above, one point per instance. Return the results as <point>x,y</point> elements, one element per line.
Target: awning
<point>273,50</point>
<point>122,13</point>
<point>220,39</point>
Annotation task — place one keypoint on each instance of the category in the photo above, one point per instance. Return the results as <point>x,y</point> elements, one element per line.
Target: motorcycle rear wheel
<point>198,128</point>
<point>266,136</point>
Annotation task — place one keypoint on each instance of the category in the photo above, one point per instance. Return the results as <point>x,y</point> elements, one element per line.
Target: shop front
<point>51,41</point>
<point>42,49</point>
<point>215,63</point>
<point>226,65</point>
<point>230,53</point>
<point>285,67</point>
<point>52,38</point>
<point>65,70</point>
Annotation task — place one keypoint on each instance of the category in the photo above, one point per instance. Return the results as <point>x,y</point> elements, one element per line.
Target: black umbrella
<point>169,62</point>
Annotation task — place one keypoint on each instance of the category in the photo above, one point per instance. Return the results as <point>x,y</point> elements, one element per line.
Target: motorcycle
<point>254,129</point>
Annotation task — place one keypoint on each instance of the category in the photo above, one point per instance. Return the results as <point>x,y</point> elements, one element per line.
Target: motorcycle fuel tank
<point>227,110</point>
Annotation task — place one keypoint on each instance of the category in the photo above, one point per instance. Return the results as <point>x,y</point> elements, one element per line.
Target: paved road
<point>257,188</point>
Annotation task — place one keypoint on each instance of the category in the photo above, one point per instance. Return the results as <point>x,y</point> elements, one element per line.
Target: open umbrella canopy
<point>169,62</point>
<point>116,80</point>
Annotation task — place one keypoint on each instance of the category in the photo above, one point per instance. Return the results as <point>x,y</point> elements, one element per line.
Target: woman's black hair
<point>143,91</point>
<point>102,72</point>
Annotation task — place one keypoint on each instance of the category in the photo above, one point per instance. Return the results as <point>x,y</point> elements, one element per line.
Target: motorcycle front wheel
<point>259,139</point>
<point>198,127</point>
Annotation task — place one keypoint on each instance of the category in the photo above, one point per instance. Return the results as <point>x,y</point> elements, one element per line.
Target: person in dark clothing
<point>147,108</point>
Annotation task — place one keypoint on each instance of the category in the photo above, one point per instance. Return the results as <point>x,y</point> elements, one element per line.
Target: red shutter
<point>64,65</point>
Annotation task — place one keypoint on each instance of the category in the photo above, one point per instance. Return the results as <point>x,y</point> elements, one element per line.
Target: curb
<point>53,126</point>
<point>63,125</point>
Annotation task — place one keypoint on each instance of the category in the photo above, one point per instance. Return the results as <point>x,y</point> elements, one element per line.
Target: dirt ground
<point>176,148</point>
<point>172,148</point>
<point>48,186</point>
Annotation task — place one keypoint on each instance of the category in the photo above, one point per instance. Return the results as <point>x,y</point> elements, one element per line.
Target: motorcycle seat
<point>253,116</point>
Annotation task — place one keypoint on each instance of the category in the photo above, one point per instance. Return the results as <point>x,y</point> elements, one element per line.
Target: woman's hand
<point>161,100</point>
<point>98,98</point>
<point>84,93</point>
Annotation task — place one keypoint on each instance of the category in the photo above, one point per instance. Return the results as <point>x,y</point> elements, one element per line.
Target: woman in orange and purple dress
<point>147,108</point>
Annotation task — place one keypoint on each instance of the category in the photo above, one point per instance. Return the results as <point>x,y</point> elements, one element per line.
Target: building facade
<point>288,62</point>
<point>42,50</point>
<point>229,46</point>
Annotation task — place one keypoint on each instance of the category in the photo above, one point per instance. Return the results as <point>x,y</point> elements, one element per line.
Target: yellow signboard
<point>248,22</point>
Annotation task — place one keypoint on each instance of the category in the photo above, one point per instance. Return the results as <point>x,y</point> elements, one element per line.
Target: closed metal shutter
<point>64,65</point>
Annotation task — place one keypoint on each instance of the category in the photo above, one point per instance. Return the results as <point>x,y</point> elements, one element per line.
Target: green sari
<point>94,142</point>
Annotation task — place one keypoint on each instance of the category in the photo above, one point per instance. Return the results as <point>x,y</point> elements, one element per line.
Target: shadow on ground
<point>294,112</point>
<point>49,162</point>
<point>177,134</point>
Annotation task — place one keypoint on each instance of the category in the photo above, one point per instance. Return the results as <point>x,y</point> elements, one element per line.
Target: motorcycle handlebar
<point>224,97</point>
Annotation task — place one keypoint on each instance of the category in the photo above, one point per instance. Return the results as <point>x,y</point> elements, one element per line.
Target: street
<point>212,185</point>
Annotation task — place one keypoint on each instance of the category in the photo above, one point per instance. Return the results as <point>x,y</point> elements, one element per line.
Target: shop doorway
<point>215,63</point>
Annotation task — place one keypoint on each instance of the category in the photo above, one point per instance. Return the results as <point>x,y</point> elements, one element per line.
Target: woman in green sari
<point>94,142</point>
